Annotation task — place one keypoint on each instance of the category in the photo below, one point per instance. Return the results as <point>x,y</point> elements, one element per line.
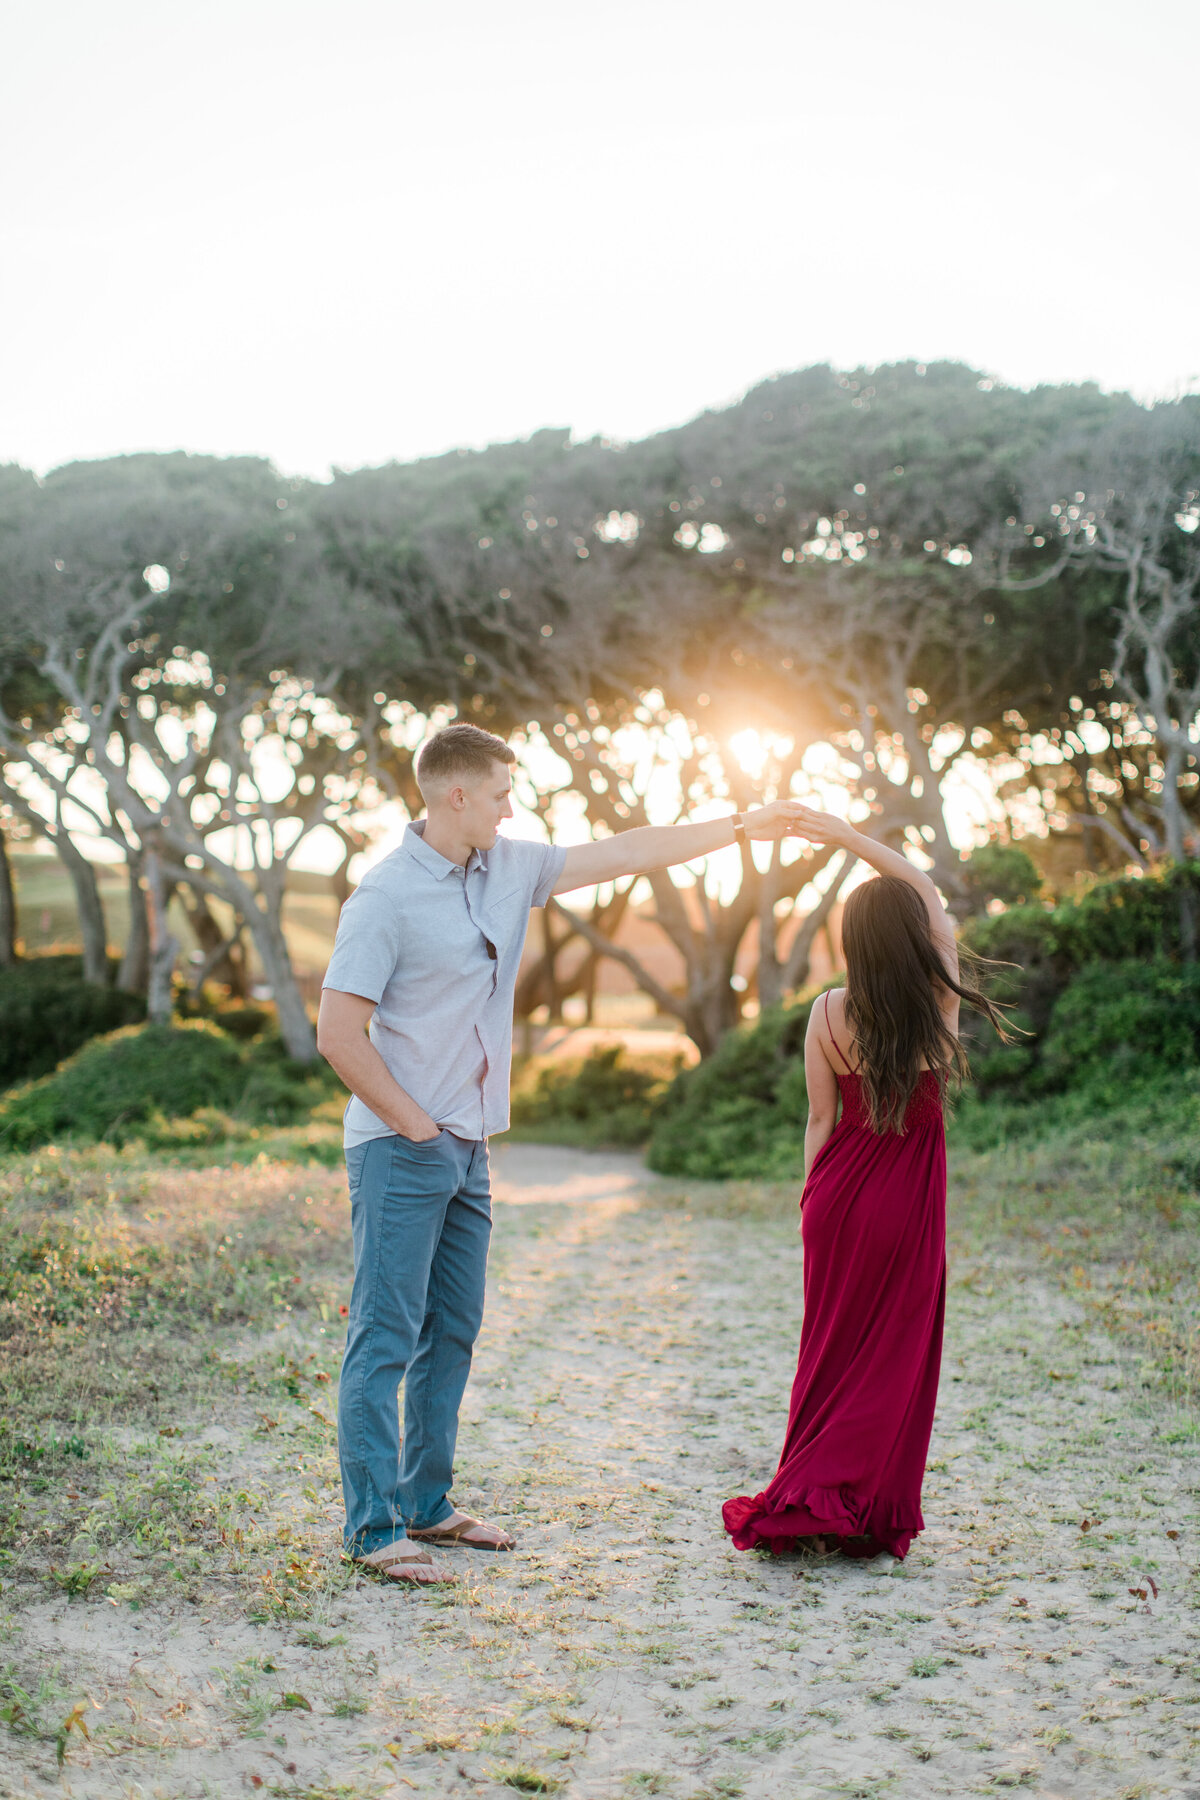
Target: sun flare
<point>754,749</point>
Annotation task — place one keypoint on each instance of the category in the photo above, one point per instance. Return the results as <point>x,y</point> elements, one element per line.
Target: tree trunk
<point>222,960</point>
<point>8,908</point>
<point>553,992</point>
<point>295,1026</point>
<point>92,928</point>
<point>339,879</point>
<point>134,972</point>
<point>712,1007</point>
<point>164,948</point>
<point>1175,827</point>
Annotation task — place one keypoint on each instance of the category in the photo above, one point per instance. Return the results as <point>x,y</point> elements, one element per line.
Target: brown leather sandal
<point>398,1561</point>
<point>454,1531</point>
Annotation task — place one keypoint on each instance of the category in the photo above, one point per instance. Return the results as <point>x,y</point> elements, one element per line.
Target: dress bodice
<point>924,1106</point>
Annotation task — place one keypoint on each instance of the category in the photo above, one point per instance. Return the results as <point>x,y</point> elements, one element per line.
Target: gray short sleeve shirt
<point>437,947</point>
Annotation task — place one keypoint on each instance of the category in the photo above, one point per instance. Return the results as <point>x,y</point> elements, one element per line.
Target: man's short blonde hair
<point>458,751</point>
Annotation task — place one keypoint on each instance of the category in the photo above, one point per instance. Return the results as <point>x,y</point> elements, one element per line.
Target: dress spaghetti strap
<point>832,1039</point>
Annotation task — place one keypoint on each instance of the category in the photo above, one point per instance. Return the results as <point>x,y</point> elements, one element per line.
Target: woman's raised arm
<point>827,828</point>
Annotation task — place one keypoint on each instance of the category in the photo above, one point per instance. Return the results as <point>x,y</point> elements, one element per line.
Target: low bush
<point>141,1081</point>
<point>608,1097</point>
<point>1121,1032</point>
<point>243,1021</point>
<point>1000,872</point>
<point>47,1010</point>
<point>114,1084</point>
<point>1117,1023</point>
<point>1091,977</point>
<point>277,1091</point>
<point>743,1110</point>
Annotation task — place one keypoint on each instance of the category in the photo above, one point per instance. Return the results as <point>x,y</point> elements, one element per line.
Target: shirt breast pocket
<point>504,919</point>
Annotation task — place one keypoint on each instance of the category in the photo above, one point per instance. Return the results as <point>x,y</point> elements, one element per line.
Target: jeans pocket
<point>420,1145</point>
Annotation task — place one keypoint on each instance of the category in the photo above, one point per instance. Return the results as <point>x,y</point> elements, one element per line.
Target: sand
<point>634,1372</point>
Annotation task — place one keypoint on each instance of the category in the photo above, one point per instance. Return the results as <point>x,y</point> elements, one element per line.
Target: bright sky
<point>346,233</point>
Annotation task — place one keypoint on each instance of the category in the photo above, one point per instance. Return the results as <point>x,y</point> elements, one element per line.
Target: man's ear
<point>457,797</point>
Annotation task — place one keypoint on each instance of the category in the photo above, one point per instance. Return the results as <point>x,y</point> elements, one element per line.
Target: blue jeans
<point>421,1216</point>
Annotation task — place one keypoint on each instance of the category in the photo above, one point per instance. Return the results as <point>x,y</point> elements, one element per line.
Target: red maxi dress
<point>874,1233</point>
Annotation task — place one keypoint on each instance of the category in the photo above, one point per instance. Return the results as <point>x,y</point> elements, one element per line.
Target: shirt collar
<point>439,866</point>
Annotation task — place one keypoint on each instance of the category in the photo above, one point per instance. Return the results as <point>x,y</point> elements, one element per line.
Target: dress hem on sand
<point>875,1523</point>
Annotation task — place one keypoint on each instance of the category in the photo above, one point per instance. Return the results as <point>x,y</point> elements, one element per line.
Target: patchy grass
<point>174,1608</point>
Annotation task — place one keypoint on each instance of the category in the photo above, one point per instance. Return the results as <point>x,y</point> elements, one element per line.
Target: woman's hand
<point>821,827</point>
<point>774,821</point>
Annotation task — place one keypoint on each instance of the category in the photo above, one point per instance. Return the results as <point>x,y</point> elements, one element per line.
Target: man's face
<point>486,805</point>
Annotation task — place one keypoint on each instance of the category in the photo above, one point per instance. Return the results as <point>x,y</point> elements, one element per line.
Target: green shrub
<point>1119,1023</point>
<point>1000,872</point>
<point>608,1097</point>
<point>174,1086</point>
<point>1137,916</point>
<point>742,1111</point>
<point>47,1010</point>
<point>277,1091</point>
<point>1088,958</point>
<point>203,1129</point>
<point>115,1084</point>
<point>1033,941</point>
<point>241,1020</point>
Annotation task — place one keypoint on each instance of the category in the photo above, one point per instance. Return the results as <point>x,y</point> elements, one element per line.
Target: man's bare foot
<point>461,1528</point>
<point>402,1561</point>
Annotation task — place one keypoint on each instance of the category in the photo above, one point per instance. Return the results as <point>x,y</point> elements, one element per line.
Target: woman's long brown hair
<point>893,973</point>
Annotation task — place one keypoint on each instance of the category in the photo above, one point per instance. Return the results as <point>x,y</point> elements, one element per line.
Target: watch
<point>739,829</point>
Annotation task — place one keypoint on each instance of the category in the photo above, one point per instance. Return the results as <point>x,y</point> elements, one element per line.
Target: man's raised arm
<point>659,846</point>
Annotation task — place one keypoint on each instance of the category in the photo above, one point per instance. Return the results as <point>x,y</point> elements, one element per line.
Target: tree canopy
<point>879,574</point>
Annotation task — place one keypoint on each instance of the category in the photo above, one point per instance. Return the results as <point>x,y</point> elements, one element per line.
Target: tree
<point>189,634</point>
<point>1123,506</point>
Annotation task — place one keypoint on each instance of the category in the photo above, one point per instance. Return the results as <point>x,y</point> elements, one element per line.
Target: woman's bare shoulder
<point>827,1009</point>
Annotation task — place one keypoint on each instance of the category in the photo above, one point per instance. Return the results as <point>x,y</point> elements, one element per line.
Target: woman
<point>873,1221</point>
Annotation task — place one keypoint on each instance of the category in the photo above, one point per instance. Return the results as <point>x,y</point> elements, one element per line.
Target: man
<point>416,1018</point>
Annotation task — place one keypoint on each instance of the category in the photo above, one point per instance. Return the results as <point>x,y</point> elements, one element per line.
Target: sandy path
<point>634,1372</point>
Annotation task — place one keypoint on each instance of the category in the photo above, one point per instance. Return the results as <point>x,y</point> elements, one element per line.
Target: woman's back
<point>925,1103</point>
